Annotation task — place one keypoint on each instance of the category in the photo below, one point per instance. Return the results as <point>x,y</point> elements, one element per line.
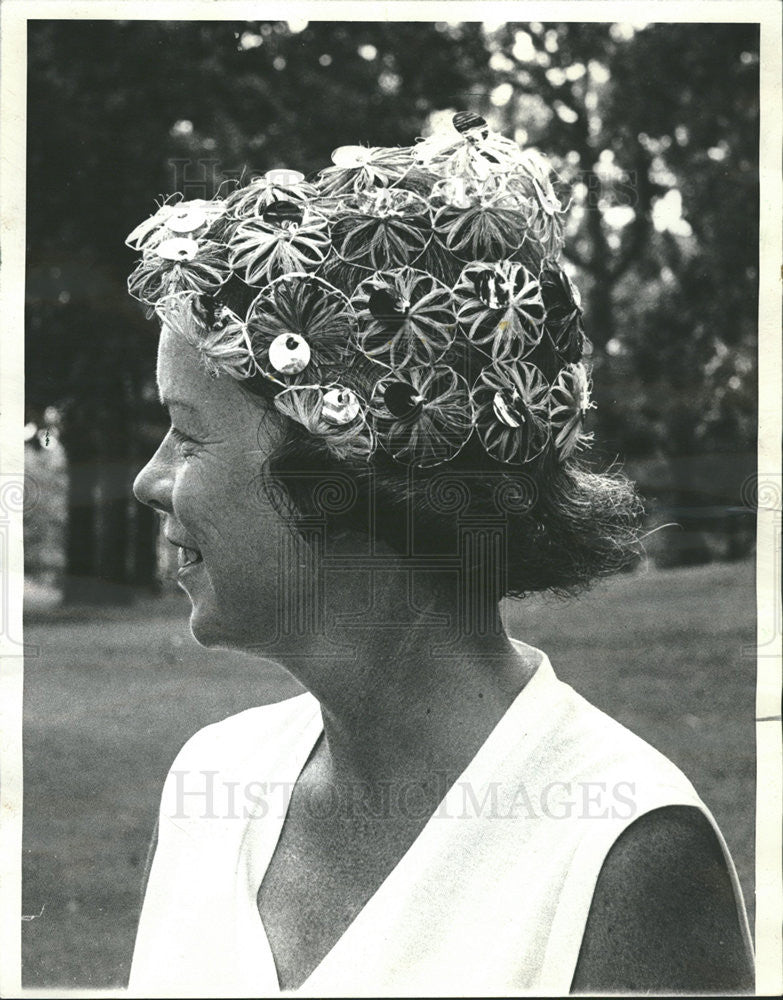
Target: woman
<point>378,394</point>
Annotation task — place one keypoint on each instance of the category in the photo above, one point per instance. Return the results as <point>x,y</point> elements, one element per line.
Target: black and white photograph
<point>390,501</point>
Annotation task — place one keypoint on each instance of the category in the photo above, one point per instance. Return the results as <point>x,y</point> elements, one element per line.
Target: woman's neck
<point>417,698</point>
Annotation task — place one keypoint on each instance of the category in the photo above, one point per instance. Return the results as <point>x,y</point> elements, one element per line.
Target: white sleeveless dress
<point>491,899</point>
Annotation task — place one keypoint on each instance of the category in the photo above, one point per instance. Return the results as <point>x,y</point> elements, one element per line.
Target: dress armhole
<point>578,888</point>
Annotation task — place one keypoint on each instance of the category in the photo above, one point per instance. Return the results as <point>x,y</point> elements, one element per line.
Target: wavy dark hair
<point>560,528</point>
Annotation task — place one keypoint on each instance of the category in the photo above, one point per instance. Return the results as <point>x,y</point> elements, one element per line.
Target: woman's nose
<point>152,485</point>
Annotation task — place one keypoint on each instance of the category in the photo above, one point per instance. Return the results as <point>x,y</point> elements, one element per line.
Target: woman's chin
<point>205,622</point>
<point>213,629</point>
<point>203,631</point>
<point>229,622</point>
<point>206,625</point>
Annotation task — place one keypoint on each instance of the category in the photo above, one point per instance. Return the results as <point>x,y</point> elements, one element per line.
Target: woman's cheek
<point>213,499</point>
<point>189,495</point>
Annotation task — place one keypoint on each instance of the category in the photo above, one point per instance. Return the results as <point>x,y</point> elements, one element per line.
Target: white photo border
<point>13,58</point>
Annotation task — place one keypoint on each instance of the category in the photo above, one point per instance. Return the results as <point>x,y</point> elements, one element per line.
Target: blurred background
<point>654,127</point>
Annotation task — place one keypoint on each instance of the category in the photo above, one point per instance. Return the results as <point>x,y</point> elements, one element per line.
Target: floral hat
<point>406,298</point>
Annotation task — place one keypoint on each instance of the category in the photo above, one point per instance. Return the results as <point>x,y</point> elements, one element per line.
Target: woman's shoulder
<point>230,740</point>
<point>578,739</point>
<point>655,876</point>
<point>667,913</point>
<point>222,762</point>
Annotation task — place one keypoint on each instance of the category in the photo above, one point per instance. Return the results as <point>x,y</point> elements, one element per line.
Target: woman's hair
<point>561,528</point>
<point>406,318</point>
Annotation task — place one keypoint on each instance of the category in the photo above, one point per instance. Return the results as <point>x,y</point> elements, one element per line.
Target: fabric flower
<point>175,219</point>
<point>481,220</point>
<point>423,416</point>
<point>301,318</point>
<point>361,168</point>
<point>405,316</point>
<point>532,181</point>
<point>218,334</point>
<point>275,185</point>
<point>569,403</point>
<point>483,231</point>
<point>178,264</point>
<point>322,411</point>
<point>470,149</point>
<point>563,306</point>
<point>287,236</point>
<point>500,305</point>
<point>381,229</point>
<point>512,411</point>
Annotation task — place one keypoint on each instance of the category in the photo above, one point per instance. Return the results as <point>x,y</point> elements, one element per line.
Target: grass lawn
<point>109,700</point>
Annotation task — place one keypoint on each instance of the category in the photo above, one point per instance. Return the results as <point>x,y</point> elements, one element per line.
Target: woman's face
<point>205,481</point>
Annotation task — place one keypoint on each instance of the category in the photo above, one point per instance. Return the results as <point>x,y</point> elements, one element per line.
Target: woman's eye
<point>184,443</point>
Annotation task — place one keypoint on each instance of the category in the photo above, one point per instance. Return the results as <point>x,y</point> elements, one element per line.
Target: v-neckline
<point>312,731</point>
<point>260,856</point>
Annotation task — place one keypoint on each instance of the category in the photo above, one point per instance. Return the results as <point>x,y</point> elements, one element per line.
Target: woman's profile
<point>379,388</point>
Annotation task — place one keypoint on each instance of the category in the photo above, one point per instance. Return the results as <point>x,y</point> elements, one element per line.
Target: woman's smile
<point>186,558</point>
<point>187,555</point>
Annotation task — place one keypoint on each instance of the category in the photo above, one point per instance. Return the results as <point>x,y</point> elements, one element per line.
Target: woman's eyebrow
<point>191,410</point>
<point>171,402</point>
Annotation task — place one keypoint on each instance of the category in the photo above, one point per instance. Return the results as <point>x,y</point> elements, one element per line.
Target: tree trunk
<point>113,568</point>
<point>81,541</point>
<point>688,547</point>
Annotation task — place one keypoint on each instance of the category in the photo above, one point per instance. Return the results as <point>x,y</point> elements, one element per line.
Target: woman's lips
<point>187,557</point>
